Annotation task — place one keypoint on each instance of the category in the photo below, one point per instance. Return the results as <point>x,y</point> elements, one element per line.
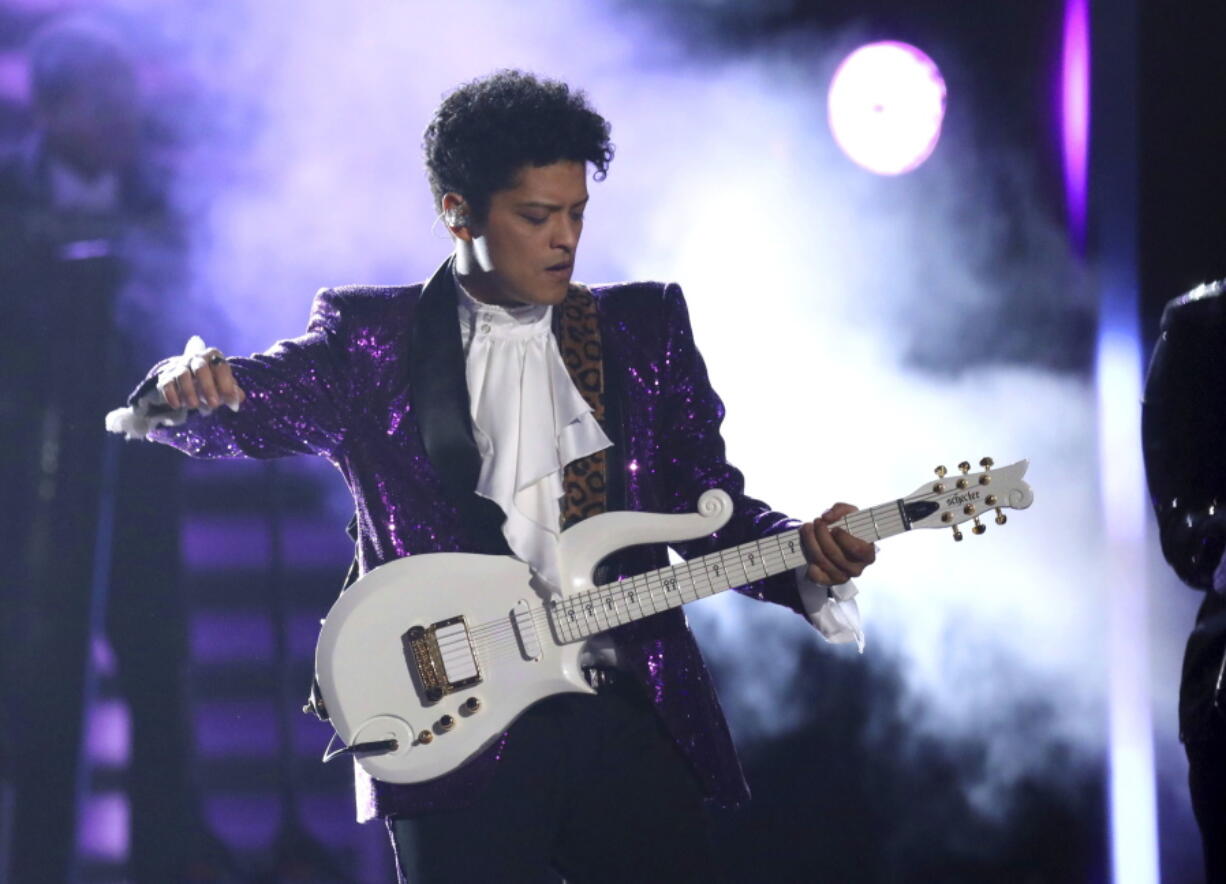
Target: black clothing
<point>592,786</point>
<point>87,546</point>
<point>1184,438</point>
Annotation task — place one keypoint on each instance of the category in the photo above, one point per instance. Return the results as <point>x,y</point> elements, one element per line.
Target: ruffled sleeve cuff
<point>831,609</point>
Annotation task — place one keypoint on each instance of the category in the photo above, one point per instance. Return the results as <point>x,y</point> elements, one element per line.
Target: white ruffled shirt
<point>529,422</point>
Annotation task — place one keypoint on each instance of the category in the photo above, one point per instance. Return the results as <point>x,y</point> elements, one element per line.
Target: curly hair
<point>485,131</point>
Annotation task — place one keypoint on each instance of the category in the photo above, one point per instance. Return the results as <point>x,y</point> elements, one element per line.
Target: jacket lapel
<point>439,393</point>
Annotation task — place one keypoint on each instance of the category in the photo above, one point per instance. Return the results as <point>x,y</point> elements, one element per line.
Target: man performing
<point>478,413</point>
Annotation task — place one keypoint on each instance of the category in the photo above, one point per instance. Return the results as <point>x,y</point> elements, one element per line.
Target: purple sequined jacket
<point>377,386</point>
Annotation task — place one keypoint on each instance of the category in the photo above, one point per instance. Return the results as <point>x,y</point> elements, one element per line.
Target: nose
<point>566,233</point>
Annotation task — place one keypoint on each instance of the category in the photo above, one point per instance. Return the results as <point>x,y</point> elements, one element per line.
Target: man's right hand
<point>200,378</point>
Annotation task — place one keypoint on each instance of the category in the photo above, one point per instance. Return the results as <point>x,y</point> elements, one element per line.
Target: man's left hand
<point>835,556</point>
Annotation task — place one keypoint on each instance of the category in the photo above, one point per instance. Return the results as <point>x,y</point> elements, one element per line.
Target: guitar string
<point>602,604</point>
<point>855,523</point>
<point>601,597</point>
<point>497,640</point>
<point>606,596</point>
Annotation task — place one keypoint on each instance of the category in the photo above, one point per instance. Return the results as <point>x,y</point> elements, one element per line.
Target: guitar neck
<point>624,601</point>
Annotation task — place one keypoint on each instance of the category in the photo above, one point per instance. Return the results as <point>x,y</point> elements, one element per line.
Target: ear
<point>456,217</point>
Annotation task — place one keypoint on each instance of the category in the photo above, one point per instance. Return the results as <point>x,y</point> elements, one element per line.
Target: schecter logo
<point>956,499</point>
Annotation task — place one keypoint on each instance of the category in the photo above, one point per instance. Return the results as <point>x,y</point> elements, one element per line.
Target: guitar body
<point>441,652</point>
<point>371,675</point>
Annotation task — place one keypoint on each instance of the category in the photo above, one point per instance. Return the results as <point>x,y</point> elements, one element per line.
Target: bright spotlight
<point>886,104</point>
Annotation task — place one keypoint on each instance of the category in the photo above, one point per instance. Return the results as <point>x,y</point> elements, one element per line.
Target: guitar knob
<point>957,533</point>
<point>472,704</point>
<point>446,723</point>
<point>979,528</point>
<point>940,471</point>
<point>1000,517</point>
<point>425,737</point>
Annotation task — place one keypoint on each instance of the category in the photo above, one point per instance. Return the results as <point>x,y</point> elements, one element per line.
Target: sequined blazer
<point>376,385</point>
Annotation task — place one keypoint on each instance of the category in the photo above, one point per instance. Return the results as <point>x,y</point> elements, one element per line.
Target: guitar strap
<point>576,326</point>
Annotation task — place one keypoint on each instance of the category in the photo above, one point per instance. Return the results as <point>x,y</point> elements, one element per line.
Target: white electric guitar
<point>425,660</point>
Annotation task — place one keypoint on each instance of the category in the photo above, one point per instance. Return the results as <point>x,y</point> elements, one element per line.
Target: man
<point>84,229</point>
<point>472,414</point>
<point>1184,434</point>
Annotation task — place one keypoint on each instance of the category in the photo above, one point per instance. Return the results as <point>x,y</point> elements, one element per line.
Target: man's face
<point>525,246</point>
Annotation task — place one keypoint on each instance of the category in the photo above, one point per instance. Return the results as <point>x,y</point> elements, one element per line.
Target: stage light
<point>886,106</point>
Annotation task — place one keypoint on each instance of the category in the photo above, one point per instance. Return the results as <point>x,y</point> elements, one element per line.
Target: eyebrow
<point>537,204</point>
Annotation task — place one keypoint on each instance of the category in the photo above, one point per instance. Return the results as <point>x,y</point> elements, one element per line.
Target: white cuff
<point>138,420</point>
<point>831,609</point>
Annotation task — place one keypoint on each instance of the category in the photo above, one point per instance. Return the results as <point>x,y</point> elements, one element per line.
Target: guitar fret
<point>708,588</point>
<point>732,565</point>
<point>644,589</point>
<point>750,555</point>
<point>631,596</point>
<point>658,595</point>
<point>689,583</point>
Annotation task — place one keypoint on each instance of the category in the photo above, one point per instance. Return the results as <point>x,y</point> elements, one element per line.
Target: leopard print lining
<point>578,331</point>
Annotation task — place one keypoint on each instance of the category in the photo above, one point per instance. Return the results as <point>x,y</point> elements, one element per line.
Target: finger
<point>169,391</point>
<point>836,558</point>
<point>838,512</point>
<point>187,388</point>
<point>854,549</point>
<point>205,382</point>
<point>227,387</point>
<point>821,568</point>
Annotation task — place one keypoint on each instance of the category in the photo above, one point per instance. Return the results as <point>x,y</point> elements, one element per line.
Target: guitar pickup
<point>442,658</point>
<point>525,631</point>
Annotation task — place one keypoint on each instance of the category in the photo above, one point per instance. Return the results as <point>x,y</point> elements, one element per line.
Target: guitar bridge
<point>442,658</point>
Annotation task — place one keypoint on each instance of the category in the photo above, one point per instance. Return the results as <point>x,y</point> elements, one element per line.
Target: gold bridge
<point>441,658</point>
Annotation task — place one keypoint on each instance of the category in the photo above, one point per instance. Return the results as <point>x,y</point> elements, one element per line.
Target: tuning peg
<point>987,463</point>
<point>940,471</point>
<point>979,528</point>
<point>1000,517</point>
<point>965,467</point>
<point>957,533</point>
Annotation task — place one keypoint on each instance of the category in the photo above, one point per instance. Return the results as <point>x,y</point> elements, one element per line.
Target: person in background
<point>1184,442</point>
<point>85,234</point>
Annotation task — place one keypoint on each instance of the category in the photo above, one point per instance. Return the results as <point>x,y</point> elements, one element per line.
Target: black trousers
<point>591,788</point>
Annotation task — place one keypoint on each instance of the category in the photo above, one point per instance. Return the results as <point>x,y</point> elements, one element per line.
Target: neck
<point>624,601</point>
<point>477,281</point>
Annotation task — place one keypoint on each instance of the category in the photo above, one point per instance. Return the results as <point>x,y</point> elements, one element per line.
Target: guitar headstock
<point>950,500</point>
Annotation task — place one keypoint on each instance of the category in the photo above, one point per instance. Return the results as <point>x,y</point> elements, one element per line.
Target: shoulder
<point>1203,309</point>
<point>364,305</point>
<point>638,300</point>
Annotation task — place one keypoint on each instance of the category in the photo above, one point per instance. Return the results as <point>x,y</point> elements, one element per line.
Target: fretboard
<point>624,601</point>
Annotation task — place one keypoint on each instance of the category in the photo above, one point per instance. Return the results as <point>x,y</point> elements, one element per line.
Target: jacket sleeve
<point>1184,441</point>
<point>297,398</point>
<point>691,414</point>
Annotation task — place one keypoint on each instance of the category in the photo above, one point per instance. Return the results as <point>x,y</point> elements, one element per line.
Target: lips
<point>558,268</point>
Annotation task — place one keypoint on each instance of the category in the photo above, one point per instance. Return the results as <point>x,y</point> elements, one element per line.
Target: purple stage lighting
<point>1075,114</point>
<point>886,105</point>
